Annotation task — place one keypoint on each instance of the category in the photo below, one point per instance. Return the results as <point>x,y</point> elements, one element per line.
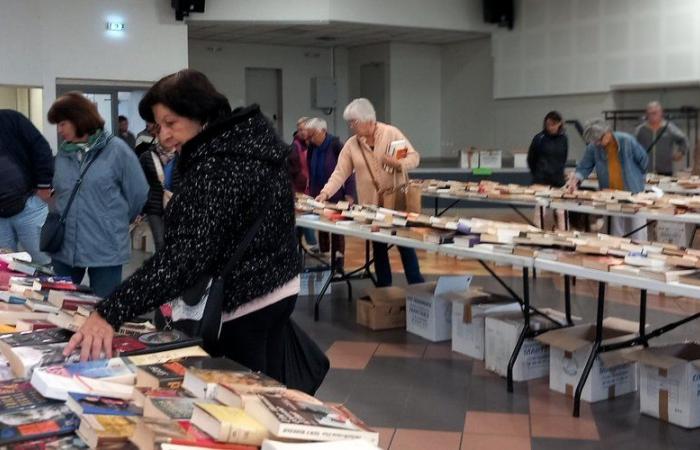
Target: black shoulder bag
<point>207,294</point>
<point>54,228</point>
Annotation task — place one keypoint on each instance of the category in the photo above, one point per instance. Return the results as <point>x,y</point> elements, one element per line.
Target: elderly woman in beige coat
<point>365,154</point>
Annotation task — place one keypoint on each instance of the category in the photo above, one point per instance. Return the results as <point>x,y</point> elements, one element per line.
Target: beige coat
<point>350,159</point>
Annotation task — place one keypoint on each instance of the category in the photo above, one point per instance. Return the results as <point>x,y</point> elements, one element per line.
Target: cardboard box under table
<point>502,331</point>
<point>669,387</point>
<point>382,308</point>
<point>469,311</point>
<point>427,314</point>
<point>569,348</point>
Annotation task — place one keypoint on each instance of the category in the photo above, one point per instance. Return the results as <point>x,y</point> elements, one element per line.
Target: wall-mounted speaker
<point>501,12</point>
<point>183,8</point>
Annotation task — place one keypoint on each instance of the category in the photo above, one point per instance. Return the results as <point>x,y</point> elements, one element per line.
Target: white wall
<point>588,46</point>
<point>415,106</point>
<point>368,54</point>
<point>225,63</point>
<point>472,117</point>
<point>46,39</point>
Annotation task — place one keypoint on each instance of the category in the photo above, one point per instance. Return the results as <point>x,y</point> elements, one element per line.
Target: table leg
<point>643,316</point>
<point>567,299</point>
<point>594,351</point>
<point>525,331</point>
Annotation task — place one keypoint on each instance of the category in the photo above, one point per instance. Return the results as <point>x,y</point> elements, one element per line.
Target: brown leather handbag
<point>406,196</point>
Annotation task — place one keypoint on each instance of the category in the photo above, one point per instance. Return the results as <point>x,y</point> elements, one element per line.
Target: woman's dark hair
<point>189,93</point>
<point>554,116</point>
<point>78,110</point>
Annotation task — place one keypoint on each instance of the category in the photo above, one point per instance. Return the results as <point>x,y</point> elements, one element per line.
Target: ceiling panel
<point>341,34</point>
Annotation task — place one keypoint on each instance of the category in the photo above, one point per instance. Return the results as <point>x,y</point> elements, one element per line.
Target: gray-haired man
<point>664,141</point>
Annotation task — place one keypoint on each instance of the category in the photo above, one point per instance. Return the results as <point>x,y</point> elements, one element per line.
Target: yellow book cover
<point>228,424</point>
<point>7,329</point>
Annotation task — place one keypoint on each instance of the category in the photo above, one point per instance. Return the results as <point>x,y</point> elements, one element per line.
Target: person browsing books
<point>376,172</point>
<point>324,149</point>
<point>620,163</point>
<point>112,194</point>
<point>299,171</point>
<point>547,156</point>
<point>233,173</point>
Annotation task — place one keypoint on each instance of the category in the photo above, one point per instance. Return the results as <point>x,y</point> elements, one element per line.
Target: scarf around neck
<point>96,140</point>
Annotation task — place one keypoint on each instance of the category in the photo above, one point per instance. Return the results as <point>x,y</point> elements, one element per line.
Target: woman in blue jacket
<point>112,194</point>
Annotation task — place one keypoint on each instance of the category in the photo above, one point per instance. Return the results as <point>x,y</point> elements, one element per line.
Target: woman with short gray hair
<point>620,164</point>
<point>366,155</point>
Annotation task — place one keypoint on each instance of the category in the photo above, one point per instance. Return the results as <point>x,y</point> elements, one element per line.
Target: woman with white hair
<point>620,164</point>
<point>376,172</point>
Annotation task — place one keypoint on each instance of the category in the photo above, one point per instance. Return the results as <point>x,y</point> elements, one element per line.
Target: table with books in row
<point>591,261</point>
<point>649,206</point>
<point>161,391</point>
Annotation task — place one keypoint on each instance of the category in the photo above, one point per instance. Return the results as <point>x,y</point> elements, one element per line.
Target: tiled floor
<point>420,395</point>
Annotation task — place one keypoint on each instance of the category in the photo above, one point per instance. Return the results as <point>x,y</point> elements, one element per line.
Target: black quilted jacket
<point>226,172</point>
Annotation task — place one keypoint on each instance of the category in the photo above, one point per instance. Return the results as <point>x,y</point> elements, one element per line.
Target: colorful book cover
<point>91,404</point>
<point>52,443</point>
<point>101,368</point>
<point>37,422</point>
<point>240,381</point>
<point>179,408</point>
<point>126,344</point>
<point>33,338</point>
<point>169,375</point>
<point>18,395</point>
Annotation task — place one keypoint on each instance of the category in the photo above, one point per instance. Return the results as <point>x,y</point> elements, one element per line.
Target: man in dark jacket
<point>26,171</point>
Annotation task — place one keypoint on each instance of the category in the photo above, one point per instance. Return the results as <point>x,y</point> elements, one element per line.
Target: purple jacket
<point>331,148</point>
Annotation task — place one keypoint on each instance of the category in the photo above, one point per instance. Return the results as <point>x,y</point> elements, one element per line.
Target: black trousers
<point>257,339</point>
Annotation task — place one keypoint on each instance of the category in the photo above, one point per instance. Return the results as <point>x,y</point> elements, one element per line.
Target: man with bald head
<point>663,140</point>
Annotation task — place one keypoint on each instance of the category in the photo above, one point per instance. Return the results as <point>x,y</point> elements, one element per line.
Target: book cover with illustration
<point>295,415</point>
<point>95,404</point>
<point>16,395</point>
<point>36,422</point>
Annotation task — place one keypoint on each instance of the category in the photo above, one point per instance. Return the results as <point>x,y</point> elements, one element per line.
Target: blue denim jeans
<point>103,280</point>
<point>310,236</point>
<point>382,267</point>
<point>24,229</point>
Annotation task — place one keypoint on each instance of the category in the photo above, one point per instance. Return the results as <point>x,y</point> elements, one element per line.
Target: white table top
<point>503,258</point>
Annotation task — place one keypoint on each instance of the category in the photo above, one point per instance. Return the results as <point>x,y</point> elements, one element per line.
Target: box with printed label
<point>491,159</point>
<point>502,331</point>
<point>427,314</point>
<point>382,308</point>
<point>469,311</point>
<point>611,375</point>
<point>669,383</point>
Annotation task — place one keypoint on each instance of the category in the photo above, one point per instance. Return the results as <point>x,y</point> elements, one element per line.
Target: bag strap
<point>159,168</point>
<point>369,168</point>
<point>79,182</point>
<point>247,239</point>
<point>658,137</point>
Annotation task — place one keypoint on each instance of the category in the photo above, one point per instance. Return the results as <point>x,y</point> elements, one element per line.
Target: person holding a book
<point>324,150</point>
<point>26,170</point>
<point>620,164</point>
<point>111,195</point>
<point>366,154</point>
<point>662,139</point>
<point>234,192</point>
<point>547,156</point>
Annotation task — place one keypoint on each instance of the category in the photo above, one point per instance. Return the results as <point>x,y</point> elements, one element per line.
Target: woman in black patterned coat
<point>230,162</point>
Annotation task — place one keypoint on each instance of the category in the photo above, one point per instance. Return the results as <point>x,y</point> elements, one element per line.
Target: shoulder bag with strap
<point>404,197</point>
<point>658,137</point>
<point>167,195</point>
<point>54,229</point>
<point>198,312</point>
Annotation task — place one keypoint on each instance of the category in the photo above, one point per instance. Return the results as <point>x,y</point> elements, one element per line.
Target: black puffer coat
<point>226,173</point>
<point>547,158</point>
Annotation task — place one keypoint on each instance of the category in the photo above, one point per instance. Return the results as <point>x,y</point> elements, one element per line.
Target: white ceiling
<point>334,34</point>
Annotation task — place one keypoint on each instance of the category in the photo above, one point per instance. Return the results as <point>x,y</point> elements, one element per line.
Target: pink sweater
<point>350,159</point>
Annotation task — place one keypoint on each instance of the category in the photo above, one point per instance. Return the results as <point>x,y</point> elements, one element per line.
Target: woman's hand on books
<point>349,199</point>
<point>572,183</point>
<point>94,339</point>
<point>322,197</point>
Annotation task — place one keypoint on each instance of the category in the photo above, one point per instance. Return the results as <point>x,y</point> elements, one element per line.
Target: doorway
<point>373,87</point>
<point>264,87</point>
<point>112,101</point>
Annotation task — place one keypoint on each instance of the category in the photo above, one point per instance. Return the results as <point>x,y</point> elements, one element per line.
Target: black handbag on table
<point>207,293</point>
<point>54,227</point>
